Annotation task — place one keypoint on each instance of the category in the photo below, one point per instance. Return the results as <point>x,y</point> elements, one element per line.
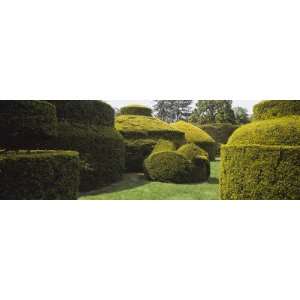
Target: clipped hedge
<point>279,131</point>
<point>186,165</point>
<point>199,159</point>
<point>39,175</point>
<point>275,108</point>
<point>197,136</point>
<point>260,172</point>
<point>24,122</point>
<point>141,134</point>
<point>89,112</point>
<point>136,110</point>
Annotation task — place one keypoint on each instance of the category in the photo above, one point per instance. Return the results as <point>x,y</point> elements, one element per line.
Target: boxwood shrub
<point>194,134</point>
<point>141,134</point>
<point>39,175</point>
<point>260,172</point>
<point>136,110</point>
<point>275,108</point>
<point>24,122</point>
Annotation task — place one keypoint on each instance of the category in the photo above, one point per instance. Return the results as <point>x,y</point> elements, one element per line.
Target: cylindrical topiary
<point>197,136</point>
<point>39,175</point>
<point>101,147</point>
<point>276,108</point>
<point>262,160</point>
<point>136,110</point>
<point>25,123</point>
<point>141,134</point>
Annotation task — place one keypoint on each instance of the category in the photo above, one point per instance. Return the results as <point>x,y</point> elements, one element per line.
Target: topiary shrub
<point>186,165</point>
<point>141,133</point>
<point>136,110</point>
<point>199,159</point>
<point>197,136</point>
<point>257,172</point>
<point>262,160</point>
<point>39,175</point>
<point>101,148</point>
<point>168,166</point>
<point>275,108</point>
<point>24,123</point>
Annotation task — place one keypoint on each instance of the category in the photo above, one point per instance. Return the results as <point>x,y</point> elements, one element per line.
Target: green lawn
<point>134,186</point>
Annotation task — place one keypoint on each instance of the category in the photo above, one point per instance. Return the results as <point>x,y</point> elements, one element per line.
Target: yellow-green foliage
<point>194,134</point>
<point>275,108</point>
<point>141,134</point>
<point>181,166</point>
<point>260,172</point>
<point>279,131</point>
<point>39,175</point>
<point>136,110</point>
<point>262,160</point>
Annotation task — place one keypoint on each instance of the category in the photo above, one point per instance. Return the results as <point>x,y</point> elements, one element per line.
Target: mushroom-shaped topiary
<point>194,134</point>
<point>262,159</point>
<point>139,110</point>
<point>141,133</point>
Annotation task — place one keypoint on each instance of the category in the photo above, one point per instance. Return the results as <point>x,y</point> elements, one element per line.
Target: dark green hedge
<point>275,108</point>
<point>136,110</point>
<point>260,172</point>
<point>168,167</point>
<point>101,149</point>
<point>90,112</point>
<point>24,122</point>
<point>45,175</point>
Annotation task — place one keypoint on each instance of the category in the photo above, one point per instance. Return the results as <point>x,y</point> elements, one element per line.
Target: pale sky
<point>119,103</point>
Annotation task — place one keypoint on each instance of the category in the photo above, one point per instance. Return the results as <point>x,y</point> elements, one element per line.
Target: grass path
<point>134,186</point>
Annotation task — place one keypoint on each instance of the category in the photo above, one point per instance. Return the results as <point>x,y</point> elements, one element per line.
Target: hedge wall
<point>141,134</point>
<point>275,108</point>
<point>260,172</point>
<point>197,136</point>
<point>39,175</point>
<point>136,110</point>
<point>23,123</point>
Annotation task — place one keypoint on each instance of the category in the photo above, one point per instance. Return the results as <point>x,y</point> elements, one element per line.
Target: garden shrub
<point>39,175</point>
<point>141,134</point>
<point>197,136</point>
<point>199,159</point>
<point>275,108</point>
<point>257,172</point>
<point>24,122</point>
<point>164,145</point>
<point>136,110</point>
<point>89,112</point>
<point>101,148</point>
<point>262,160</point>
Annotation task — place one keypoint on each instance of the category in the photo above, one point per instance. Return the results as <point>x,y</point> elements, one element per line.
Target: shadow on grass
<point>213,180</point>
<point>129,181</point>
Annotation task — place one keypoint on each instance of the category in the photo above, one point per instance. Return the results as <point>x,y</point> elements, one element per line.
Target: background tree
<point>172,110</point>
<point>241,115</point>
<point>213,111</point>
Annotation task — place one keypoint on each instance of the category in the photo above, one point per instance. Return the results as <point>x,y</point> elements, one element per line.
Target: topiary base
<point>260,172</point>
<point>39,175</point>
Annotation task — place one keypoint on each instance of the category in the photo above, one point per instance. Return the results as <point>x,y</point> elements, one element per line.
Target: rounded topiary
<point>24,123</point>
<point>101,148</point>
<point>262,161</point>
<point>39,175</point>
<point>276,108</point>
<point>199,159</point>
<point>168,166</point>
<point>197,136</point>
<point>141,133</point>
<point>136,110</point>
<point>90,112</point>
